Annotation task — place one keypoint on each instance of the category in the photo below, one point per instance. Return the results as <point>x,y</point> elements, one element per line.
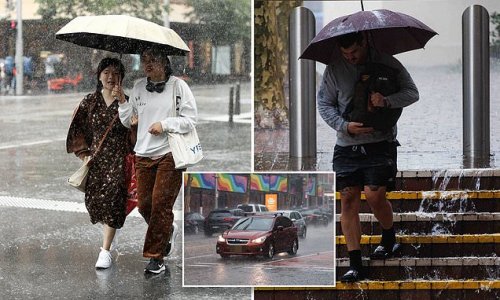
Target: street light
<point>19,50</point>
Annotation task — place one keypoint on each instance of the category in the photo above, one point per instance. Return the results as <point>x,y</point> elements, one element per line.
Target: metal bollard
<point>231,106</point>
<point>237,107</point>
<point>302,86</point>
<point>476,87</point>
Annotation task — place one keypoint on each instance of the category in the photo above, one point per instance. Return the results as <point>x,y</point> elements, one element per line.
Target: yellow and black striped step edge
<point>430,239</point>
<point>436,195</point>
<point>437,217</point>
<point>426,262</point>
<point>400,285</point>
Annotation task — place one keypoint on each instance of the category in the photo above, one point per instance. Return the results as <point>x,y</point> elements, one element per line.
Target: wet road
<point>48,246</point>
<point>313,265</point>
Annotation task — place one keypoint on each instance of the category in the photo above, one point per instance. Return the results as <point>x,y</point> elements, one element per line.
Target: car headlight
<point>259,240</point>
<point>221,239</point>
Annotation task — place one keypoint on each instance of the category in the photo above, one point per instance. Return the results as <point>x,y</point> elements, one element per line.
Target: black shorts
<point>367,164</point>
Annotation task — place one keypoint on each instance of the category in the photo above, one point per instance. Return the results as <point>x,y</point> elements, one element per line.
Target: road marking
<point>67,206</point>
<point>241,118</point>
<point>31,143</point>
<point>200,256</point>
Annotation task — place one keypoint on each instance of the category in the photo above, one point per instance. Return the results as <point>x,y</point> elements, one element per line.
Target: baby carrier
<point>377,78</point>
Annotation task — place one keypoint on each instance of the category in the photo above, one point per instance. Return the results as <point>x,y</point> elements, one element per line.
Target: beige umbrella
<point>121,34</point>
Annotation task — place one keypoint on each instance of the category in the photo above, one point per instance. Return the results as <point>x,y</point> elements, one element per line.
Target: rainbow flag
<point>204,180</point>
<point>231,183</point>
<point>311,186</point>
<point>259,182</point>
<point>278,183</point>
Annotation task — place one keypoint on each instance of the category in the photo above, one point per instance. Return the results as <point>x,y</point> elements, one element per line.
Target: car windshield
<point>220,214</point>
<point>246,208</point>
<point>258,224</point>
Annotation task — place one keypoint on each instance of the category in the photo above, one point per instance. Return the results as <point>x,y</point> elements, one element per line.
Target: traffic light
<point>13,24</point>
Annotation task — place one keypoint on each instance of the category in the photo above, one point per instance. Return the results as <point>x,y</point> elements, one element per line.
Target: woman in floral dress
<point>105,191</point>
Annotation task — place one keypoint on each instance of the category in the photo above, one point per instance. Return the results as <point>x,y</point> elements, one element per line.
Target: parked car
<point>314,218</point>
<point>66,83</point>
<point>259,235</point>
<point>193,221</point>
<point>221,219</point>
<point>298,220</point>
<point>252,208</point>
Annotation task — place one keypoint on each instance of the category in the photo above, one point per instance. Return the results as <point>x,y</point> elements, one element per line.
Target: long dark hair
<point>159,53</point>
<point>106,62</point>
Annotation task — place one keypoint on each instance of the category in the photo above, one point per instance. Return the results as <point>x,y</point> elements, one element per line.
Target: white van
<point>252,208</point>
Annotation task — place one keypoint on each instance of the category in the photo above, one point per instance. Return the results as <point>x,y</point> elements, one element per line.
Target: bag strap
<point>105,134</point>
<point>175,95</point>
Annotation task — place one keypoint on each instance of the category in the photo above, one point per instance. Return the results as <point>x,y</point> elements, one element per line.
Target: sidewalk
<point>430,130</point>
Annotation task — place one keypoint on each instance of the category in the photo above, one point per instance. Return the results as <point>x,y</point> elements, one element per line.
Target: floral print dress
<point>105,192</point>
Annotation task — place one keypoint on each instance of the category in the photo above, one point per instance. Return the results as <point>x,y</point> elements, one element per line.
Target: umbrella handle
<point>362,6</point>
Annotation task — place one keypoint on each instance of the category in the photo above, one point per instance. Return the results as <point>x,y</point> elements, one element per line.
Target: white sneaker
<point>104,260</point>
<point>171,243</point>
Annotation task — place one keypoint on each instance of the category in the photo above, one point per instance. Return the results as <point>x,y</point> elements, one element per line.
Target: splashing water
<point>478,183</point>
<point>445,182</point>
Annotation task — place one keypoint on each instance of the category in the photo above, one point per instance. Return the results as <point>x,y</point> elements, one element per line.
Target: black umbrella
<point>389,32</point>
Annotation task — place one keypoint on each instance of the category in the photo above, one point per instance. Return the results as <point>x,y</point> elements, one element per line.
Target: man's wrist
<point>387,104</point>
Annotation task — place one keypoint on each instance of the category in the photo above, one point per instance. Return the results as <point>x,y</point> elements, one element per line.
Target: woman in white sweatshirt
<point>163,103</point>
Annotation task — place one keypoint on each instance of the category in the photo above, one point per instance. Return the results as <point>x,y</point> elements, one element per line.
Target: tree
<point>227,21</point>
<point>495,41</point>
<point>271,60</point>
<point>145,9</point>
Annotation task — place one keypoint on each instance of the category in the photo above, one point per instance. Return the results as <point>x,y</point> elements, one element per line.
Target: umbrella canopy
<point>389,32</point>
<point>121,34</point>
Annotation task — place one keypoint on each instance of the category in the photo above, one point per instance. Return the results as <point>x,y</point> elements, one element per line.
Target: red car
<point>64,83</point>
<point>259,235</point>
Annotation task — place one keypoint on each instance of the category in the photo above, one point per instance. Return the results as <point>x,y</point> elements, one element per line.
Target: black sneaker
<point>382,252</point>
<point>352,276</point>
<point>155,266</point>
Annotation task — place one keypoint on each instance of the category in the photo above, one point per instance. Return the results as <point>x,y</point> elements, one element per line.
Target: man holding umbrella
<point>364,158</point>
<point>357,48</point>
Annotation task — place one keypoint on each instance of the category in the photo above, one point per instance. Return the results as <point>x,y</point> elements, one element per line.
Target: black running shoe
<point>155,266</point>
<point>382,252</point>
<point>352,276</point>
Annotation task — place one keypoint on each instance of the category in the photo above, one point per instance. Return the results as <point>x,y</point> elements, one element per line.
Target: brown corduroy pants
<point>158,184</point>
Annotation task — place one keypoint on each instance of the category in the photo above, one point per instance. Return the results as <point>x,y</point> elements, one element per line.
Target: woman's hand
<point>134,120</point>
<point>155,129</point>
<point>82,156</point>
<point>118,93</point>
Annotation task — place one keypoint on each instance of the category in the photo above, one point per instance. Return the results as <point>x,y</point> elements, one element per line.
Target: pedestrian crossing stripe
<point>67,206</point>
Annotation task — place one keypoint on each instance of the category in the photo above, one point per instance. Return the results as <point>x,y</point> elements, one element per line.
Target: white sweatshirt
<point>159,107</point>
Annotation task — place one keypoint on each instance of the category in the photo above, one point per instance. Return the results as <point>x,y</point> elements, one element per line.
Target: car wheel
<point>294,248</point>
<point>304,233</point>
<point>270,251</point>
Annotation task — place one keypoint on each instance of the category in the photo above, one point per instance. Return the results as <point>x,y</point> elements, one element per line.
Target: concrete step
<point>438,201</point>
<point>458,179</point>
<point>394,290</point>
<point>484,245</point>
<point>432,223</point>
<point>410,268</point>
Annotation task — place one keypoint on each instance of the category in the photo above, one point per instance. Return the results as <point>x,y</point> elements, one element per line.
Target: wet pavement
<point>49,252</point>
<point>430,130</point>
